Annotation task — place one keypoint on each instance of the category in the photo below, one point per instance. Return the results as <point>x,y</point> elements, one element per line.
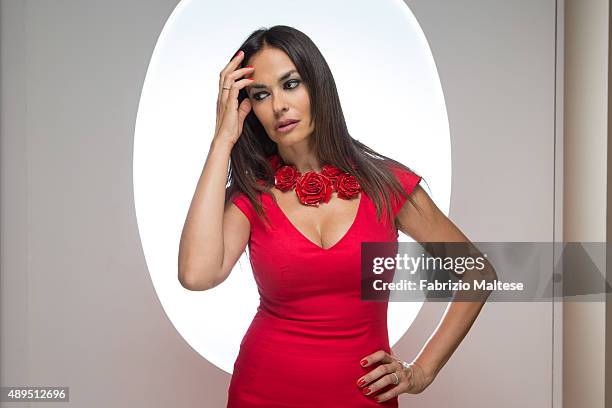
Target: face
<point>278,94</point>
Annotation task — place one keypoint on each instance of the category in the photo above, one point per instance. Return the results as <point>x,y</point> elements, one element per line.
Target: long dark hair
<point>330,141</point>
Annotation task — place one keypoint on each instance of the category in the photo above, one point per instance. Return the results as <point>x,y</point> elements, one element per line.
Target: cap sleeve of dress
<point>242,202</point>
<point>409,181</point>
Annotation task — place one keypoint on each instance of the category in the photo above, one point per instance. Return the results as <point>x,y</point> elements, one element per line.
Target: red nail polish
<point>364,362</point>
<point>366,390</point>
<point>239,51</point>
<point>249,66</point>
<point>361,382</point>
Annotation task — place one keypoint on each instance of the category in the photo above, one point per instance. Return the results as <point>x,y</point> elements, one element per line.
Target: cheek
<point>305,103</point>
<point>260,113</point>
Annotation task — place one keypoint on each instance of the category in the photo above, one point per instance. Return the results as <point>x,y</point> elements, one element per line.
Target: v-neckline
<point>308,240</point>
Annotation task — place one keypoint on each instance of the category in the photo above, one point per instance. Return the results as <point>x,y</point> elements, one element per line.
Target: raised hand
<point>230,116</point>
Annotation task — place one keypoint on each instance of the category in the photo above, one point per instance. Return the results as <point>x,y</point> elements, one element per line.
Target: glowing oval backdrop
<point>391,97</point>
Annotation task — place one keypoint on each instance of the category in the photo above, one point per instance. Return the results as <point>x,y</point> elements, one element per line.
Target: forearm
<point>454,325</point>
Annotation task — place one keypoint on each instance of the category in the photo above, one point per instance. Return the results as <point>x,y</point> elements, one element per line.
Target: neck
<point>304,162</point>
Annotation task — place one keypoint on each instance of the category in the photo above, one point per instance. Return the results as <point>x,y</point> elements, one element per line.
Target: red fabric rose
<point>285,177</point>
<point>313,188</point>
<point>347,186</point>
<point>331,172</point>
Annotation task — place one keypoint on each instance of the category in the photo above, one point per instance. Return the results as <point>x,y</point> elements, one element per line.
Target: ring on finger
<point>396,378</point>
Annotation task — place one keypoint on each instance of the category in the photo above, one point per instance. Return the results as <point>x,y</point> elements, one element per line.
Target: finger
<point>387,395</point>
<point>229,81</point>
<point>379,378</point>
<point>388,358</point>
<point>373,388</point>
<point>222,98</point>
<point>232,98</point>
<point>229,68</point>
<point>238,73</point>
<point>243,111</point>
<point>232,105</point>
<point>379,373</point>
<point>373,358</point>
<point>394,357</point>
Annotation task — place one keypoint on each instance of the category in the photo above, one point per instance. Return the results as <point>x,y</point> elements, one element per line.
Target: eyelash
<point>297,81</point>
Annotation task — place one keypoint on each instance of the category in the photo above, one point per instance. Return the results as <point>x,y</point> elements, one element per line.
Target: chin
<point>291,139</point>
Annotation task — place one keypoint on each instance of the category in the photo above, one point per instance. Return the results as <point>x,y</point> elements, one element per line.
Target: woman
<point>304,195</point>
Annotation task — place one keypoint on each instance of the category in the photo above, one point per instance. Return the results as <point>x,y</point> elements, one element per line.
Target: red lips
<point>285,122</point>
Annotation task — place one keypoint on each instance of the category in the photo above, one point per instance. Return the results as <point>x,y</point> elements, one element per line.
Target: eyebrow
<point>282,78</point>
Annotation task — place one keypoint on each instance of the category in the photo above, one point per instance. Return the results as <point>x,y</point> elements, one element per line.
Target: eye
<point>293,81</point>
<point>256,96</point>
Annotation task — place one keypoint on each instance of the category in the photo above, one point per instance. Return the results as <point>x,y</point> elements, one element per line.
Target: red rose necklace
<point>311,187</point>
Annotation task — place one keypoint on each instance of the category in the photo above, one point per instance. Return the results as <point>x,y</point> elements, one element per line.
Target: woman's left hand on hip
<point>409,378</point>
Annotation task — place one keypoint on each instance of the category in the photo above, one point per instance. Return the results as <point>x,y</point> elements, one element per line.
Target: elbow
<point>191,280</point>
<point>186,280</point>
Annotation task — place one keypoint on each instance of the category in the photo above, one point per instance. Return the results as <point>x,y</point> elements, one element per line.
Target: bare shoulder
<point>427,223</point>
<point>237,218</point>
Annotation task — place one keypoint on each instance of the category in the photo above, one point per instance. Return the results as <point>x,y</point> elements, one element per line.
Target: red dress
<point>311,328</point>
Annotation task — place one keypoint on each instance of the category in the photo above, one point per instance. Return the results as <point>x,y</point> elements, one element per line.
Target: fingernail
<point>249,66</point>
<point>239,51</point>
<point>366,390</point>
<point>364,362</point>
<point>361,382</point>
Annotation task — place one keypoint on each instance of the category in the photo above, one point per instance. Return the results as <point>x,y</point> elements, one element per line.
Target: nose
<point>279,105</point>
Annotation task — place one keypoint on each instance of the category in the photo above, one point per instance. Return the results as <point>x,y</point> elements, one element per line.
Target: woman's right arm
<point>214,236</point>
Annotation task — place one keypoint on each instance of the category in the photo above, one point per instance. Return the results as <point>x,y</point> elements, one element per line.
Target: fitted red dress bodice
<point>311,328</point>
